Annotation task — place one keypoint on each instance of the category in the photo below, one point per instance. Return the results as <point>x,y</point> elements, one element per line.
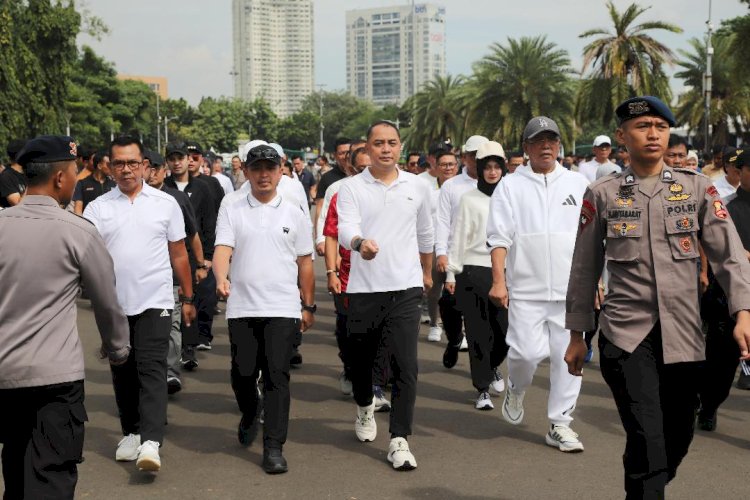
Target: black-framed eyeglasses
<point>121,164</point>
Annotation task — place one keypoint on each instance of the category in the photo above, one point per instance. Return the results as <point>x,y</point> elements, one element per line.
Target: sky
<point>190,41</point>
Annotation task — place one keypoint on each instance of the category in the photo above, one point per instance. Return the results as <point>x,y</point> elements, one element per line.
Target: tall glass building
<point>391,52</point>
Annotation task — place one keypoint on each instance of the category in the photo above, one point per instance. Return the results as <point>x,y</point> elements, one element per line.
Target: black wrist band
<point>184,299</point>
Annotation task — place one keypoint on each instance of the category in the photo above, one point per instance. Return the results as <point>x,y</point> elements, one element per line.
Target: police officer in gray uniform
<point>48,254</point>
<point>652,218</point>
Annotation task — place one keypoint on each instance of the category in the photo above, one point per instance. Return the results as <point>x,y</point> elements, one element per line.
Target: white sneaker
<point>424,319</point>
<point>400,455</point>
<point>513,407</point>
<point>365,426</point>
<point>464,345</point>
<point>381,403</point>
<point>498,384</point>
<point>563,438</point>
<point>127,448</point>
<point>484,402</point>
<point>148,457</point>
<point>436,334</point>
<point>345,385</point>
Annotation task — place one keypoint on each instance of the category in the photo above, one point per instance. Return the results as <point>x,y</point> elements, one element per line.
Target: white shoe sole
<point>565,448</point>
<point>126,458</point>
<point>148,464</point>
<point>366,437</point>
<point>406,465</point>
<point>484,406</point>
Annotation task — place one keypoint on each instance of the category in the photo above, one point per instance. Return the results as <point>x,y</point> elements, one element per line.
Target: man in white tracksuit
<point>531,232</point>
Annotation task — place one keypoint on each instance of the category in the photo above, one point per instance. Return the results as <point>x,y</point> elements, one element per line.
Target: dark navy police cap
<point>48,149</point>
<point>646,105</point>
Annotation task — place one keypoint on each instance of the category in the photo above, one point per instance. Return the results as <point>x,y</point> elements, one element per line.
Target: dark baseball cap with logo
<point>540,124</point>
<point>262,152</point>
<point>194,148</point>
<point>177,148</point>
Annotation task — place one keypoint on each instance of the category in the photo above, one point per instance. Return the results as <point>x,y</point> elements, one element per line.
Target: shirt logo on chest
<point>285,229</point>
<point>623,228</point>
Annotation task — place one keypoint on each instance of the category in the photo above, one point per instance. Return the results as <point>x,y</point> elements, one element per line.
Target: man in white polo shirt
<point>270,243</point>
<point>385,217</point>
<point>144,232</point>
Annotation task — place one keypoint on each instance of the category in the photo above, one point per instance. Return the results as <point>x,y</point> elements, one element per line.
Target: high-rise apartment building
<point>391,52</point>
<point>273,52</point>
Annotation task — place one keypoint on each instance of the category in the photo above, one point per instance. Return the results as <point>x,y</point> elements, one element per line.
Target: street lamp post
<point>158,124</point>
<point>708,83</point>
<point>167,119</point>
<point>322,143</point>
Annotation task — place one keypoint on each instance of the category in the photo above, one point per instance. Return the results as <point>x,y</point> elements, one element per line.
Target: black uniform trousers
<point>205,306</point>
<point>380,370</point>
<point>394,315</point>
<point>41,429</point>
<point>141,383</point>
<point>657,404</point>
<point>450,312</point>
<point>486,324</point>
<point>263,344</point>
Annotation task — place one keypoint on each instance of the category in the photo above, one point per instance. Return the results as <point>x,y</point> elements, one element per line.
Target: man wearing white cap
<point>602,149</point>
<point>447,210</point>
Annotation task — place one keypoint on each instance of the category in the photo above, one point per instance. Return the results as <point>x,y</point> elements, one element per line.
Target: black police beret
<point>48,149</point>
<point>644,106</point>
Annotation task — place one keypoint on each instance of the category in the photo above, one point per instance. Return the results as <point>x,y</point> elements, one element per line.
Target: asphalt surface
<point>462,453</point>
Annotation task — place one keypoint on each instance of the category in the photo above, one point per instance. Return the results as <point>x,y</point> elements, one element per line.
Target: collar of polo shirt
<point>368,177</point>
<point>146,190</point>
<point>254,203</point>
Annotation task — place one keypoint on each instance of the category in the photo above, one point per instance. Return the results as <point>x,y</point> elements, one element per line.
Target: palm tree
<point>730,96</point>
<point>623,62</point>
<point>515,82</point>
<point>435,113</point>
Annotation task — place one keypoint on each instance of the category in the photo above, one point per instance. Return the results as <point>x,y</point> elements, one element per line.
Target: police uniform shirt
<point>398,217</point>
<point>652,237</point>
<point>89,189</point>
<point>266,239</point>
<point>11,182</point>
<point>47,254</point>
<point>136,234</point>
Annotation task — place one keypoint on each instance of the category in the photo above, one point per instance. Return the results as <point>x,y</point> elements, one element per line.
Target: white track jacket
<point>536,218</point>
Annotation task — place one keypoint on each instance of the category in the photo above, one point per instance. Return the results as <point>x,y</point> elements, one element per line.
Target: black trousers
<point>205,305</point>
<point>141,383</point>
<point>486,324</point>
<point>381,373</point>
<point>450,313</point>
<point>263,344</point>
<point>41,429</point>
<point>720,367</point>
<point>394,315</point>
<point>657,404</point>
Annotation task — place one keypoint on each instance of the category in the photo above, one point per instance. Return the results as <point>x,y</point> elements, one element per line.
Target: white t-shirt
<point>226,182</point>
<point>136,235</point>
<point>588,169</point>
<point>267,239</point>
<point>723,187</point>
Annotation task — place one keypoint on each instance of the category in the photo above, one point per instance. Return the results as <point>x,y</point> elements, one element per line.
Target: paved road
<point>462,453</point>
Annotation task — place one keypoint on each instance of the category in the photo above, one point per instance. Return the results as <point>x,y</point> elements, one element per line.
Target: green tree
<point>340,110</point>
<point>436,112</point>
<point>515,82</point>
<point>730,96</point>
<point>623,61</point>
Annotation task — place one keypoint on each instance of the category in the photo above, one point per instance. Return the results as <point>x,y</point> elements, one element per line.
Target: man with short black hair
<point>95,185</point>
<point>12,181</point>
<point>303,175</point>
<point>515,160</point>
<point>412,162</point>
<point>677,151</point>
<point>48,254</point>
<point>237,176</point>
<point>143,230</point>
<point>217,172</point>
<point>339,171</point>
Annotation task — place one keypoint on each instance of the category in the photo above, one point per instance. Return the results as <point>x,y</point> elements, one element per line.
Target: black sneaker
<point>450,356</point>
<point>203,346</point>
<point>296,359</point>
<point>274,462</point>
<point>247,431</point>
<point>173,384</point>
<point>707,422</point>
<point>189,364</point>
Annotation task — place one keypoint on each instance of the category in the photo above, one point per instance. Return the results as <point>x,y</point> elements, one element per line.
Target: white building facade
<point>391,52</point>
<point>273,52</point>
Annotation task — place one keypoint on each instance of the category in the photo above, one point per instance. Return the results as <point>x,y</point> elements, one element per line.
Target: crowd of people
<point>517,257</point>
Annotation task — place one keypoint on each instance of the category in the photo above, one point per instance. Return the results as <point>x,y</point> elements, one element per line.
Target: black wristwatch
<point>184,299</point>
<point>313,308</point>
<point>358,244</point>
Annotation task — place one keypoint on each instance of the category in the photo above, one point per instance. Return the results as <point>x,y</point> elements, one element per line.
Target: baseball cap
<point>435,147</point>
<point>263,152</point>
<point>154,158</point>
<point>177,147</point>
<point>742,159</point>
<point>278,149</point>
<point>473,143</point>
<point>194,148</point>
<point>540,124</point>
<point>248,146</point>
<point>48,149</point>
<point>601,140</point>
<point>490,148</point>
<point>647,105</point>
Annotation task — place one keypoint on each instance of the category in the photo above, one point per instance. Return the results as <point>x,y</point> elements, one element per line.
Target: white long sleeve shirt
<point>450,196</point>
<point>321,217</point>
<point>536,218</point>
<point>469,234</point>
<point>398,218</point>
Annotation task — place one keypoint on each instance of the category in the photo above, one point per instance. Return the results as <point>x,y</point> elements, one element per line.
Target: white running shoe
<point>365,426</point>
<point>345,385</point>
<point>148,457</point>
<point>400,455</point>
<point>381,403</point>
<point>484,402</point>
<point>127,448</point>
<point>436,334</point>
<point>513,407</point>
<point>464,345</point>
<point>563,438</point>
<point>497,384</point>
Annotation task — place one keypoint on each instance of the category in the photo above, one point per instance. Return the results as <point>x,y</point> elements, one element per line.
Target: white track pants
<point>536,330</point>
